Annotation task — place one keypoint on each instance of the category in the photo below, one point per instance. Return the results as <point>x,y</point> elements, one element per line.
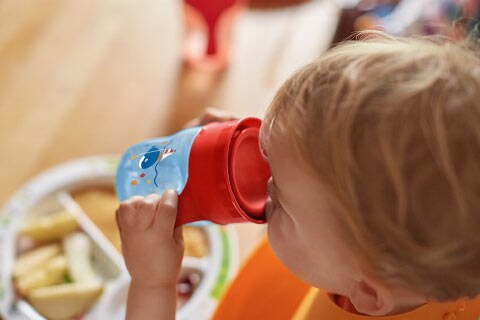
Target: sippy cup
<point>217,170</point>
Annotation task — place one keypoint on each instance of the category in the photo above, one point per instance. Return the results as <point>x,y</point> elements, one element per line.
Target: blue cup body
<point>155,165</point>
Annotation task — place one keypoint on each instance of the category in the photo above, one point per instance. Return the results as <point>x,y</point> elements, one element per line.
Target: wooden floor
<point>80,78</point>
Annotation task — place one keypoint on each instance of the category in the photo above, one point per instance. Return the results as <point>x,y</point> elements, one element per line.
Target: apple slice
<point>51,274</point>
<point>78,250</point>
<point>34,258</point>
<point>65,300</point>
<point>48,228</point>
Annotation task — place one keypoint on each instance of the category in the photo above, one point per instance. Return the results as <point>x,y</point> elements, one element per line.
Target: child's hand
<point>152,247</point>
<point>210,115</point>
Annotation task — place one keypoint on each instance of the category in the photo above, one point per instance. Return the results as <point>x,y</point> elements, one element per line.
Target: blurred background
<point>80,78</point>
<point>83,78</point>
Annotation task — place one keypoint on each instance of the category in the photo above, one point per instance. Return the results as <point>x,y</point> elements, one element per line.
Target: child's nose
<point>269,185</point>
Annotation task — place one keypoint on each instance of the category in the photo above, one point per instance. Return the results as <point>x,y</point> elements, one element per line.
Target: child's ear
<point>371,297</point>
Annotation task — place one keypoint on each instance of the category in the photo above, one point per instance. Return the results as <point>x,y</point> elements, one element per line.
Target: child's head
<point>375,154</point>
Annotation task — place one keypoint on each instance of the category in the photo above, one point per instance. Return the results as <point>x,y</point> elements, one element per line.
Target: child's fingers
<point>166,213</point>
<point>210,115</point>
<point>126,215</point>
<point>133,201</point>
<point>119,225</point>
<point>215,115</point>
<point>178,235</point>
<point>192,123</point>
<point>117,219</point>
<point>153,197</point>
<point>146,212</point>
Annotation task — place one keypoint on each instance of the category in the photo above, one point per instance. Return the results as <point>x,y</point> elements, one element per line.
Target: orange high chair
<point>263,289</point>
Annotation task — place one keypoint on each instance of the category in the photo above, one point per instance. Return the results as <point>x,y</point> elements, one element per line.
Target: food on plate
<point>49,228</point>
<point>30,260</point>
<point>57,279</point>
<point>65,300</point>
<point>99,204</point>
<point>51,273</point>
<point>186,285</point>
<point>78,250</point>
<point>195,240</point>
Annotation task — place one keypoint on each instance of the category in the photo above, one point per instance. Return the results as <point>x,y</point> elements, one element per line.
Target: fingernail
<point>152,198</point>
<point>148,200</point>
<point>132,199</point>
<point>170,198</point>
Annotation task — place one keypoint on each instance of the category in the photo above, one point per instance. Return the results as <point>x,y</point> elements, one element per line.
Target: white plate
<point>50,192</point>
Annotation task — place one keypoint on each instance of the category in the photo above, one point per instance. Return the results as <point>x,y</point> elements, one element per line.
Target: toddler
<point>374,151</point>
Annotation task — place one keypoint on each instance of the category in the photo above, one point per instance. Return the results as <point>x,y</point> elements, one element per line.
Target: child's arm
<point>153,251</point>
<point>150,303</point>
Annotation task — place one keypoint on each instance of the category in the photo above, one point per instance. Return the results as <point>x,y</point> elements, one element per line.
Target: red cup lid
<point>249,173</point>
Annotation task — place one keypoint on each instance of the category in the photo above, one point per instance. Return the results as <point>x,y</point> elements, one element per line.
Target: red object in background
<point>227,175</point>
<point>208,32</point>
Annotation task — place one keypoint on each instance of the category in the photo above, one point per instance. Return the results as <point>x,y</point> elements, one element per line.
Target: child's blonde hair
<point>392,127</point>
